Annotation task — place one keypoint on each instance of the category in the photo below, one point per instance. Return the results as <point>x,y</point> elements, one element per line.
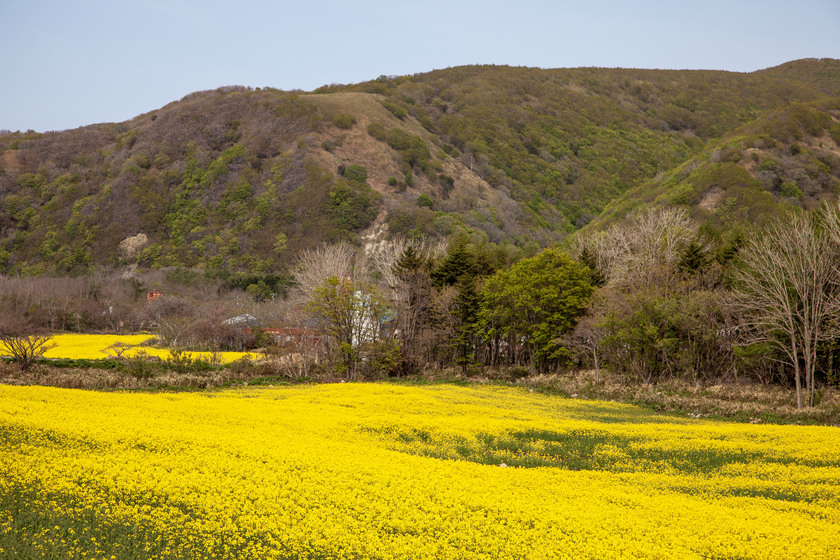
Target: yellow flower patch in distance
<point>99,346</point>
<point>384,471</point>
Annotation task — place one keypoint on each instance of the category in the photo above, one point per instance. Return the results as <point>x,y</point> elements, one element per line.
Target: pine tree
<point>467,305</point>
<point>458,262</point>
<point>596,276</point>
<point>693,258</point>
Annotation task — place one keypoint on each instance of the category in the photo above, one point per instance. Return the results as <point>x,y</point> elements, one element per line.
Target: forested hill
<point>786,159</point>
<point>241,179</point>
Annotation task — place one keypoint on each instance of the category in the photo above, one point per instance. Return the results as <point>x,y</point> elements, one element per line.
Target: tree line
<point>652,298</point>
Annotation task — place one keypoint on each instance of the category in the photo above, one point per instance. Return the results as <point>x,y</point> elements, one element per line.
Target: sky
<point>70,63</point>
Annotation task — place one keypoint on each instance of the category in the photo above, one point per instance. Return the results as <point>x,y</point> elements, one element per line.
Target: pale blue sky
<point>69,63</point>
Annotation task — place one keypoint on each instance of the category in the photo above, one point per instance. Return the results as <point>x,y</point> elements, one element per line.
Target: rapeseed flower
<point>99,346</point>
<point>383,471</point>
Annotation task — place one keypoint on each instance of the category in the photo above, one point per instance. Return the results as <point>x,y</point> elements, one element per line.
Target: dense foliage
<point>526,309</point>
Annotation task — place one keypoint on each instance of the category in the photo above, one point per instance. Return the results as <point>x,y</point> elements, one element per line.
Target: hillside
<point>577,138</point>
<point>789,158</point>
<point>241,179</point>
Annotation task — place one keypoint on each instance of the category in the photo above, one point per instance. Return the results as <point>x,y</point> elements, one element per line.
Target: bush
<point>353,206</point>
<point>344,121</point>
<point>84,363</point>
<point>356,173</point>
<point>243,367</point>
<point>379,359</point>
<point>518,372</point>
<point>425,200</point>
<point>395,109</point>
<point>398,139</point>
<point>376,130</point>
<point>790,190</point>
<point>21,339</point>
<point>451,150</point>
<point>140,365</point>
<point>180,360</point>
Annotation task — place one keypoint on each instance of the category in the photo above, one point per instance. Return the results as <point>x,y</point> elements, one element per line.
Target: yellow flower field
<point>385,471</point>
<point>96,346</point>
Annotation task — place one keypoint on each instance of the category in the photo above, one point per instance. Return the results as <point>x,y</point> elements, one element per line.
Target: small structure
<point>244,321</point>
<point>153,294</point>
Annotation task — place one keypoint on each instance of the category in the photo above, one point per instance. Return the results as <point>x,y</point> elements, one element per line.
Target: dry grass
<point>738,402</point>
<point>357,146</point>
<point>745,402</point>
<point>104,379</point>
<point>365,107</point>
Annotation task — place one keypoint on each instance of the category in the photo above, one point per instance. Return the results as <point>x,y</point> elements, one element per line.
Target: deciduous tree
<point>23,341</point>
<point>351,313</point>
<point>314,266</point>
<point>787,289</point>
<point>532,304</point>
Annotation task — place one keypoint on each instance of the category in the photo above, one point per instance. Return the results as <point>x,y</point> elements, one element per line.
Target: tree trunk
<point>800,404</point>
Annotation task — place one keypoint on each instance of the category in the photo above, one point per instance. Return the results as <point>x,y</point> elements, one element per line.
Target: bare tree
<point>636,252</point>
<point>587,337</point>
<point>403,266</point>
<point>788,291</point>
<point>383,256</point>
<point>172,316</point>
<point>314,266</point>
<point>23,341</point>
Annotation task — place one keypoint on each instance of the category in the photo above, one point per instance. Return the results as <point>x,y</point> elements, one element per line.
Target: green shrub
<point>769,164</point>
<point>425,200</point>
<point>379,359</point>
<point>518,372</point>
<point>451,150</point>
<point>356,173</point>
<point>140,365</point>
<point>343,120</point>
<point>790,190</point>
<point>835,132</point>
<point>179,360</point>
<point>395,109</point>
<point>353,205</point>
<point>398,139</point>
<point>376,130</point>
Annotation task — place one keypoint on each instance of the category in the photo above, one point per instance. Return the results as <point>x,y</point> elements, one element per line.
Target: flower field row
<point>98,346</point>
<point>384,471</point>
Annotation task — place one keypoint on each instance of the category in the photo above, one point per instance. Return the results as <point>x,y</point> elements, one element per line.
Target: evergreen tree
<point>596,275</point>
<point>693,258</point>
<point>410,261</point>
<point>412,298</point>
<point>467,305</point>
<point>458,262</point>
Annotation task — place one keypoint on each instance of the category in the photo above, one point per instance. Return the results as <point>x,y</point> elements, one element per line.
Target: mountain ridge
<point>241,179</point>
